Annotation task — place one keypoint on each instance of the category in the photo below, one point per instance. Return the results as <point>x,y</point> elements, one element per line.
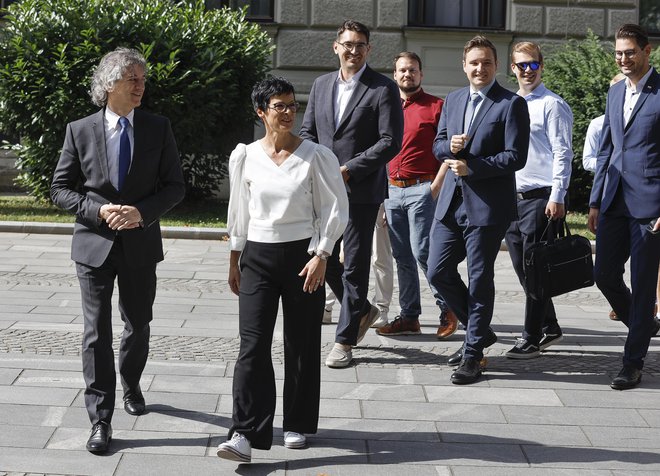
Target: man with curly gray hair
<point>119,172</point>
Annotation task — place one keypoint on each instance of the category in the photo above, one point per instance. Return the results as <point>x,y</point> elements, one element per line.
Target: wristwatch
<point>322,254</point>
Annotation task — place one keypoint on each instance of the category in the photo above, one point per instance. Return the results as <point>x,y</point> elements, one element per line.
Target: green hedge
<point>202,67</point>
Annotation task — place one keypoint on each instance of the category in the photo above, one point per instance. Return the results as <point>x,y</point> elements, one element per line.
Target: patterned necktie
<point>474,101</point>
<point>124,152</point>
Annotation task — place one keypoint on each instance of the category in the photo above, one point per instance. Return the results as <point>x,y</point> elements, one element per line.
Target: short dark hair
<point>409,55</point>
<point>267,88</point>
<point>479,42</point>
<point>633,32</point>
<point>355,26</point>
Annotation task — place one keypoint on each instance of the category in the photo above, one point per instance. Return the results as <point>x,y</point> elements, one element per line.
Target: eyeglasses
<point>628,54</point>
<point>533,65</point>
<point>280,107</point>
<point>348,46</point>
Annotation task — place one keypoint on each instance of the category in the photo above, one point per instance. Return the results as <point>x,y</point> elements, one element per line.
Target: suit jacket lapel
<point>360,88</point>
<point>486,104</point>
<point>98,126</point>
<point>643,94</point>
<point>616,111</point>
<point>139,145</point>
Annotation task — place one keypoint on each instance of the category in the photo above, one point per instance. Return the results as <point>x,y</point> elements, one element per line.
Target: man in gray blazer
<point>119,172</point>
<point>357,113</point>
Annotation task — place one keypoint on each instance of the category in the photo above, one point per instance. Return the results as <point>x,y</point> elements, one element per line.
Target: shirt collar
<point>640,83</point>
<point>538,91</point>
<point>112,117</point>
<point>483,92</point>
<point>356,77</point>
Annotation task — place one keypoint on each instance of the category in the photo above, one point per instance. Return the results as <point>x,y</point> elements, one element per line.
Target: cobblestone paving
<point>225,349</point>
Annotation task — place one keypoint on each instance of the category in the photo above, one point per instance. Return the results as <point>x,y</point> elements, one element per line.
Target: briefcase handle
<point>555,229</point>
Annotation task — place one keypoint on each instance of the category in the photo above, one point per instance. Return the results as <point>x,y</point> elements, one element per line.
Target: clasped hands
<point>457,144</point>
<point>120,217</point>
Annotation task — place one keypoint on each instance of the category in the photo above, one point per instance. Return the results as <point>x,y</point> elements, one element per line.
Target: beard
<point>410,89</point>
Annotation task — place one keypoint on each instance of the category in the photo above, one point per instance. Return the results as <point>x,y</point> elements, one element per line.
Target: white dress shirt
<point>304,197</point>
<point>592,143</point>
<point>112,133</point>
<point>344,91</point>
<point>550,152</point>
<point>632,96</point>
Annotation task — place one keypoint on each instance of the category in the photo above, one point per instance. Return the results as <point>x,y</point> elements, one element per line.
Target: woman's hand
<point>314,272</point>
<point>234,272</point>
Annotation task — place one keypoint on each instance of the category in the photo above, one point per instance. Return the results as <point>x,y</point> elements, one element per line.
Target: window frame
<point>416,19</point>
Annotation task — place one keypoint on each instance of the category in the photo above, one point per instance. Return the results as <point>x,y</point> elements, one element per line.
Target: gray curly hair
<point>110,70</point>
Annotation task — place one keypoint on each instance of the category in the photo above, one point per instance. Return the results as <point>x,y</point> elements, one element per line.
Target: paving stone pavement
<point>393,412</point>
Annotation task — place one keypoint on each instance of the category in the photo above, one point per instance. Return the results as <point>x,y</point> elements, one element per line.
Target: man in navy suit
<point>483,136</point>
<point>119,172</point>
<point>357,114</point>
<point>624,207</point>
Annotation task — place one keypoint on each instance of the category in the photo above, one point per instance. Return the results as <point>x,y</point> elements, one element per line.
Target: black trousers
<point>269,271</point>
<point>137,291</point>
<point>540,315</point>
<point>350,281</point>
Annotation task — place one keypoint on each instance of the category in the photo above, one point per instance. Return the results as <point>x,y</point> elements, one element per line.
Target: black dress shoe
<point>468,372</point>
<point>629,377</point>
<point>134,405</point>
<point>656,327</point>
<point>99,439</point>
<point>457,357</point>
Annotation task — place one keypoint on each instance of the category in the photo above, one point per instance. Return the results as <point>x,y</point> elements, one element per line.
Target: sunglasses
<point>533,65</point>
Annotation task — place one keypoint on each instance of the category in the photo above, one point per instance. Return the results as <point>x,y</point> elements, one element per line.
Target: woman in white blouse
<point>287,208</point>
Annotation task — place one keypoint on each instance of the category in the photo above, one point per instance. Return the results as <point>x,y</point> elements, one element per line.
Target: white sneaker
<point>327,316</point>
<point>338,358</point>
<point>237,449</point>
<point>294,440</point>
<point>380,321</point>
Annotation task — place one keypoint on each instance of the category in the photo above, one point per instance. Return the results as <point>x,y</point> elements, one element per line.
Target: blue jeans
<point>409,213</point>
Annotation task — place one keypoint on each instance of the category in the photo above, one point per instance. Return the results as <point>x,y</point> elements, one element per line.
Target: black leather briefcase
<point>560,264</point>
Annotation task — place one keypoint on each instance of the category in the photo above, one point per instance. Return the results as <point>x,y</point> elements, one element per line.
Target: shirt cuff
<point>237,243</point>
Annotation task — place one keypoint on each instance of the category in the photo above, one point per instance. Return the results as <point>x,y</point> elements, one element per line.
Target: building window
<point>258,10</point>
<point>481,14</point>
<point>649,16</point>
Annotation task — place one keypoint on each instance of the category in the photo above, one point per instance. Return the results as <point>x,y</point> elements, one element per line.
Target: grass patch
<point>210,213</point>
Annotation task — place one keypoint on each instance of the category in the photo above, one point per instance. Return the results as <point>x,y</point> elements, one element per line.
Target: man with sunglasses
<point>624,206</point>
<point>356,113</point>
<point>541,189</point>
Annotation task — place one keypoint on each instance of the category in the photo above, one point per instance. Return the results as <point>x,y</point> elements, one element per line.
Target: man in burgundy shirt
<point>415,178</point>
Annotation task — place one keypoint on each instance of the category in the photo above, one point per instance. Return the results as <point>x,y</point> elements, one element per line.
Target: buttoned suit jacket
<point>629,155</point>
<point>497,147</point>
<point>154,184</point>
<point>368,135</point>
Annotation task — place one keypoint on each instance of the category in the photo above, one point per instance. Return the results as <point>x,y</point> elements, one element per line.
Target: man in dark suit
<point>357,114</point>
<point>483,136</point>
<point>625,199</point>
<point>119,172</point>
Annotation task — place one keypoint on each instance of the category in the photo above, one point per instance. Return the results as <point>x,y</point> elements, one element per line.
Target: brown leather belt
<point>403,183</point>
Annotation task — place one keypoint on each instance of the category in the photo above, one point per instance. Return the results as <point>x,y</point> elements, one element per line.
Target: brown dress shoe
<point>400,327</point>
<point>448,325</point>
<point>613,315</point>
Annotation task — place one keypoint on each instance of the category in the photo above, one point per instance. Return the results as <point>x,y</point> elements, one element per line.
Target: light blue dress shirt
<point>550,151</point>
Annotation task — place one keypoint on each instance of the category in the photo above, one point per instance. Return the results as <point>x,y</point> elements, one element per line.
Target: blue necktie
<point>475,99</point>
<point>124,152</point>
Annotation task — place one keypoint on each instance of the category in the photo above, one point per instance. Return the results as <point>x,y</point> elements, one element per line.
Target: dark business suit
<point>81,185</point>
<point>367,137</point>
<point>472,223</point>
<point>626,189</point>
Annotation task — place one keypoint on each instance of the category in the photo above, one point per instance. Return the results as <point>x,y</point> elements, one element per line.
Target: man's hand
<point>121,217</point>
<point>554,210</point>
<point>345,174</point>
<point>458,166</point>
<point>592,221</point>
<point>457,143</point>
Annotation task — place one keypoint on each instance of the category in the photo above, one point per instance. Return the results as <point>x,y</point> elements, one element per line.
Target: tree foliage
<point>202,67</point>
